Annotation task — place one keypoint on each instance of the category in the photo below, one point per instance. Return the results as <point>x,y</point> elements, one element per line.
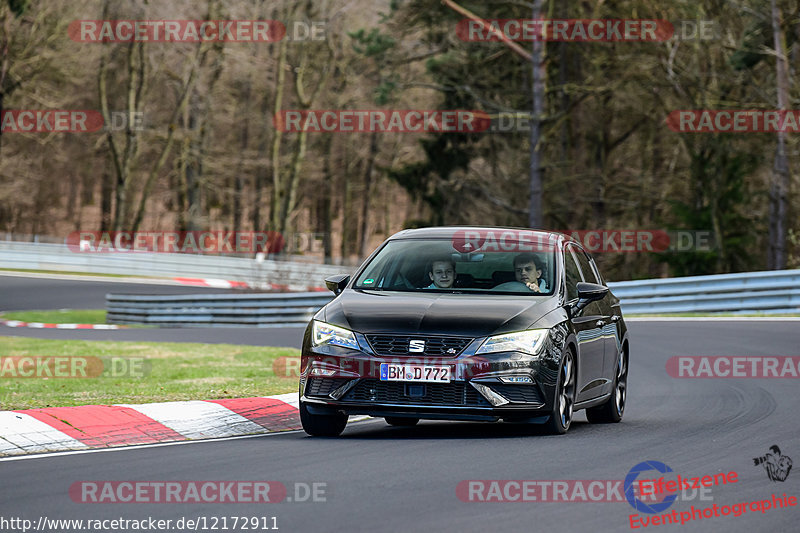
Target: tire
<point>401,421</point>
<point>322,425</point>
<point>612,411</point>
<point>564,402</point>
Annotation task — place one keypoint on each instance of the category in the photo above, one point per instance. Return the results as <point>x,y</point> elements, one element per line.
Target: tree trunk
<point>779,186</point>
<point>326,210</point>
<point>538,88</point>
<point>277,137</point>
<point>363,248</point>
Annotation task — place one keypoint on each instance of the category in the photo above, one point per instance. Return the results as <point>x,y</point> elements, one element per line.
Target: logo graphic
<point>416,346</point>
<point>777,466</point>
<point>638,504</point>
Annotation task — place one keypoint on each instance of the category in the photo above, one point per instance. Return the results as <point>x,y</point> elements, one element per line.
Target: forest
<point>582,134</point>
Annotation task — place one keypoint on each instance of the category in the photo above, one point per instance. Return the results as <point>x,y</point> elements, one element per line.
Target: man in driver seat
<point>528,270</point>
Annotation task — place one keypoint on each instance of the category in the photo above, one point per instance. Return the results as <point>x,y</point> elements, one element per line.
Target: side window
<point>573,275</point>
<point>586,268</point>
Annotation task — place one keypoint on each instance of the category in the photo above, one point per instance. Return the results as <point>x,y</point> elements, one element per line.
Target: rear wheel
<point>614,408</point>
<point>561,418</point>
<point>322,425</point>
<point>401,421</point>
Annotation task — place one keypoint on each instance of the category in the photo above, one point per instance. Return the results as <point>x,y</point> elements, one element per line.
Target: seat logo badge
<point>416,346</point>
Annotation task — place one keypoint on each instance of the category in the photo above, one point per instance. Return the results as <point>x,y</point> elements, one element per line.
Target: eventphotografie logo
<point>776,465</point>
<point>668,490</point>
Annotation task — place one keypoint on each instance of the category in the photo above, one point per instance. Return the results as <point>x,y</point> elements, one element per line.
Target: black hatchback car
<point>464,323</point>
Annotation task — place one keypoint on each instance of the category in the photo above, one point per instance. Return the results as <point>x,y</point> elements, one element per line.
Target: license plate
<point>419,373</point>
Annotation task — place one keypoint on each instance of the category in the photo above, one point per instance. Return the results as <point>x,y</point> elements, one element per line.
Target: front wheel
<point>614,408</point>
<point>322,425</point>
<point>561,418</point>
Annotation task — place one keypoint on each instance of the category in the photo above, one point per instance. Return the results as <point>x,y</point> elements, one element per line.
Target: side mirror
<point>337,283</point>
<point>588,293</point>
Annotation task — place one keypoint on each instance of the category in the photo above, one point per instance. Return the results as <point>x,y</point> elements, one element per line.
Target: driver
<point>528,270</point>
<point>442,274</point>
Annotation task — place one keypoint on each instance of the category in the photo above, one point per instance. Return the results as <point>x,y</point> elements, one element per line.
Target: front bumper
<point>509,385</point>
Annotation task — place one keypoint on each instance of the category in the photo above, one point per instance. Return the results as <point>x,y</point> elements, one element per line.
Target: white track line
<point>713,319</point>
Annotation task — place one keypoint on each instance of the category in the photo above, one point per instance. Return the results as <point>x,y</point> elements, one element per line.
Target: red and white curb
<point>225,284</point>
<point>211,282</point>
<point>18,324</point>
<point>55,429</point>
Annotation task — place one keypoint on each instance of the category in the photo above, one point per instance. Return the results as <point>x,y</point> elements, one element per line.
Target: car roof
<point>444,232</point>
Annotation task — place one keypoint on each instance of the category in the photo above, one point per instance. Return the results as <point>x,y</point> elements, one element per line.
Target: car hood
<point>367,311</point>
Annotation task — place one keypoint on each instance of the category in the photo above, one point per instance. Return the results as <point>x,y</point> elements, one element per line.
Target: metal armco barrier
<point>771,292</point>
<point>259,310</point>
<point>257,274</point>
<point>756,292</point>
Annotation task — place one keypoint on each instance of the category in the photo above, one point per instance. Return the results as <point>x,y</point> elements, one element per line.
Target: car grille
<point>518,393</point>
<point>323,386</point>
<point>458,394</point>
<point>434,346</point>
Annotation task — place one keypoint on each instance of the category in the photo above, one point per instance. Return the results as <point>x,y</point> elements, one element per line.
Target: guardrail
<point>756,292</point>
<point>771,292</point>
<point>256,274</point>
<point>259,310</point>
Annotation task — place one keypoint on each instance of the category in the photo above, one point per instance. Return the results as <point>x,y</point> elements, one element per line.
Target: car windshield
<point>436,265</point>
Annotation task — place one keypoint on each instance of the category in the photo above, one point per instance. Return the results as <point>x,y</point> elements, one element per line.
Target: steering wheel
<point>512,286</point>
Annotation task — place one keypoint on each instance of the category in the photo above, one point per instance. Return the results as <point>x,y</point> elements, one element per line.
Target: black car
<point>464,323</point>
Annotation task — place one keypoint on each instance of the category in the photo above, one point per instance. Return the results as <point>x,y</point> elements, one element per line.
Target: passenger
<point>528,270</point>
<point>442,273</point>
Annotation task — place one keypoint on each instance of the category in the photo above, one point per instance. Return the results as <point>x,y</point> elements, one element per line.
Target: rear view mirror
<point>337,283</point>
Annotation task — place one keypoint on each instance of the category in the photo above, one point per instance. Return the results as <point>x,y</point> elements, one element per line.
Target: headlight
<point>322,333</point>
<point>529,342</point>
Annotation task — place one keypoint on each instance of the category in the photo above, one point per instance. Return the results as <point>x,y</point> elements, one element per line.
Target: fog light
<point>490,395</point>
<point>322,372</point>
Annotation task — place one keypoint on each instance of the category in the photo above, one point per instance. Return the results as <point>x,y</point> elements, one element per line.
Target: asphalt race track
<point>379,478</point>
<point>19,293</point>
<point>22,293</point>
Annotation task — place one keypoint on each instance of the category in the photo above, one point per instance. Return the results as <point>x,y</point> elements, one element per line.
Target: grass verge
<point>70,273</point>
<point>59,316</point>
<point>171,372</point>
